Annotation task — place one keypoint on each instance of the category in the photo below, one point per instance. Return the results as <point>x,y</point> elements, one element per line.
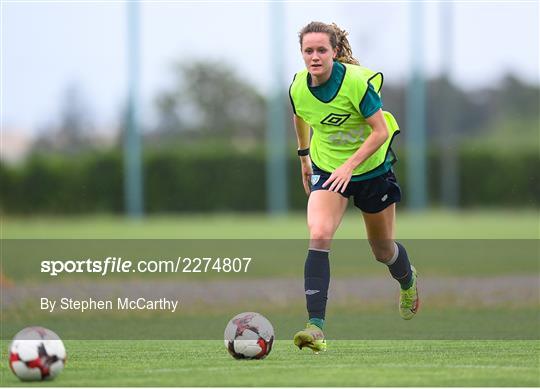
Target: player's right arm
<point>303,134</point>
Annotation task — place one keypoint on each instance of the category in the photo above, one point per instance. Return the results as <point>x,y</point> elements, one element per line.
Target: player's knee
<point>383,250</point>
<point>320,233</point>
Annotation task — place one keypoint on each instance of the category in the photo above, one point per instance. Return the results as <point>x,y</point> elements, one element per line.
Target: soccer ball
<point>36,354</point>
<point>249,335</point>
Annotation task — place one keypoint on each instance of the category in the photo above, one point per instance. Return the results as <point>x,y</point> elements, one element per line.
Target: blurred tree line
<point>210,133</point>
<point>74,132</point>
<point>209,100</point>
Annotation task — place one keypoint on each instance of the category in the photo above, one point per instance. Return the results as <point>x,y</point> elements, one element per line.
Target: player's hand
<point>307,172</point>
<point>339,179</point>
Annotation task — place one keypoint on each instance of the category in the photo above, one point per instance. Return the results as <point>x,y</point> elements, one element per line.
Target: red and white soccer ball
<point>36,354</point>
<point>249,335</point>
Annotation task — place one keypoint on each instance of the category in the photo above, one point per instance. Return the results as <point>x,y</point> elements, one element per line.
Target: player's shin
<point>400,266</point>
<point>316,282</point>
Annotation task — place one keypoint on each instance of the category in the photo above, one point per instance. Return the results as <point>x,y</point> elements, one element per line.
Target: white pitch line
<point>347,366</point>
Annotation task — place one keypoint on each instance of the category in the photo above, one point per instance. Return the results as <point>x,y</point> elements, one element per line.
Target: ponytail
<point>344,51</point>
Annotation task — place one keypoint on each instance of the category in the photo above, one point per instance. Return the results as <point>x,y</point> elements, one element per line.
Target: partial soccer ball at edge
<point>249,335</point>
<point>36,354</point>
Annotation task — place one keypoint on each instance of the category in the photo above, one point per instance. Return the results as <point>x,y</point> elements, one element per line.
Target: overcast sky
<point>47,46</point>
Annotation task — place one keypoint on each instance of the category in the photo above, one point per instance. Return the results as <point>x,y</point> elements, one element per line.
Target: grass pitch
<point>347,363</point>
<point>464,224</point>
<point>461,360</point>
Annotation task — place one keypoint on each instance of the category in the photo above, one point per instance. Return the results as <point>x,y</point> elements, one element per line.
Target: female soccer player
<point>348,155</point>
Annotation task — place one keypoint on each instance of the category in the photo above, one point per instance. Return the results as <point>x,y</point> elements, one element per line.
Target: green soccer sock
<point>407,285</point>
<point>318,322</point>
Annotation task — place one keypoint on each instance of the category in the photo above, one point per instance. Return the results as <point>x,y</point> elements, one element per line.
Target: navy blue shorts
<point>372,195</point>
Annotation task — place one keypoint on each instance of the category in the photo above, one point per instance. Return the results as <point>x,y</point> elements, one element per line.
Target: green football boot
<point>408,299</point>
<point>312,337</point>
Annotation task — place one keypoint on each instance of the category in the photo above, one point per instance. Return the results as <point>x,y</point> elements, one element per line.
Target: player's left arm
<point>341,177</point>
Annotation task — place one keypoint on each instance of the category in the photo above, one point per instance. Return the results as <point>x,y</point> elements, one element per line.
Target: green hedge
<point>229,181</point>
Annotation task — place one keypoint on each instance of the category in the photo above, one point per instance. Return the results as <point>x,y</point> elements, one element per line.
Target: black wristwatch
<point>303,152</point>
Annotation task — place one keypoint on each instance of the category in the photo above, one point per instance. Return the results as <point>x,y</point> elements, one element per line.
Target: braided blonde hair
<point>338,40</point>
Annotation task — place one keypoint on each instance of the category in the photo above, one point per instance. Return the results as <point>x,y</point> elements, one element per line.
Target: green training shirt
<point>336,111</point>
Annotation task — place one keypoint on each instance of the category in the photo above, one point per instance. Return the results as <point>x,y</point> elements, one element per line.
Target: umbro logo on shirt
<point>336,119</point>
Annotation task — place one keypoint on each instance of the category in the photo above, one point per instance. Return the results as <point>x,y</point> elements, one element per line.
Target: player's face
<point>318,55</point>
